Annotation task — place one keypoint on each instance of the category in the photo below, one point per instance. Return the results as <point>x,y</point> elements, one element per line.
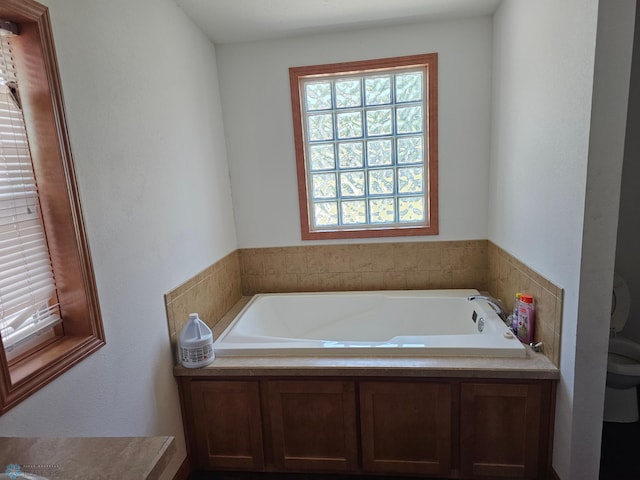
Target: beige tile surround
<point>211,293</point>
<point>385,266</point>
<point>415,265</point>
<point>507,275</point>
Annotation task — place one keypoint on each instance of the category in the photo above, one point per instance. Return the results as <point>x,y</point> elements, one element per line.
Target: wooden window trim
<point>43,109</point>
<point>295,75</point>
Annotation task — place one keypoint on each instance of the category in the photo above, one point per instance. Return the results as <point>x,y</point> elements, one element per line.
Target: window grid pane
<point>366,134</point>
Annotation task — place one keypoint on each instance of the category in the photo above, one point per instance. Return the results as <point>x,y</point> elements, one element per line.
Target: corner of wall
<point>211,293</point>
<point>508,276</point>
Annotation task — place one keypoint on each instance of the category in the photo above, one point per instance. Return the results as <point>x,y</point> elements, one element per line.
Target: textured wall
<point>553,193</point>
<point>143,107</point>
<point>258,123</point>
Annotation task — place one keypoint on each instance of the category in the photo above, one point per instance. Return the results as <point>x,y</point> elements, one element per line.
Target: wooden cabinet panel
<point>313,425</point>
<point>227,424</point>
<point>500,430</point>
<point>406,427</point>
<point>443,427</point>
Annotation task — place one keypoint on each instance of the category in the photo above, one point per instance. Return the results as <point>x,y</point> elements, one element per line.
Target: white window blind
<point>28,301</point>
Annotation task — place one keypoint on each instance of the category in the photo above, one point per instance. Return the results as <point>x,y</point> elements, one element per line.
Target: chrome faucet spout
<point>495,303</point>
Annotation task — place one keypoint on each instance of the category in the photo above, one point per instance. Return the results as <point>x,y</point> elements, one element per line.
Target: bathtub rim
<point>311,349</point>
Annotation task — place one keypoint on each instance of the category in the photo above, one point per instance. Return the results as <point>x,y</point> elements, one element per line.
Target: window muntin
<point>364,122</point>
<point>366,146</point>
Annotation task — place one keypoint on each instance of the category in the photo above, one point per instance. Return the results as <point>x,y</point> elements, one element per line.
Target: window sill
<point>369,233</point>
<point>35,371</point>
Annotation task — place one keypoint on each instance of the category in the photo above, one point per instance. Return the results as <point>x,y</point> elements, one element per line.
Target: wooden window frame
<point>296,74</point>
<point>45,120</point>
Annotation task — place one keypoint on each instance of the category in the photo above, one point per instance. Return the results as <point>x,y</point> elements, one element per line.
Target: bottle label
<point>525,330</point>
<point>198,354</point>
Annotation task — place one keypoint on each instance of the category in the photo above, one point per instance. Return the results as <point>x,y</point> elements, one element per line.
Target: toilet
<point>623,363</point>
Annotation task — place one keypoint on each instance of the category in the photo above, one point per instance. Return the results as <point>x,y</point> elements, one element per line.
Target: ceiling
<point>231,21</point>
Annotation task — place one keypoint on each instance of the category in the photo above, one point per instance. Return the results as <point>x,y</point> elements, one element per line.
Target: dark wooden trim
<point>369,233</point>
<point>551,474</point>
<point>21,11</point>
<point>455,426</point>
<point>45,120</point>
<point>403,446</point>
<point>296,446</point>
<point>183,471</point>
<point>482,400</point>
<point>28,376</point>
<point>298,135</point>
<point>273,389</point>
<point>184,392</point>
<point>267,431</point>
<point>546,424</point>
<point>548,467</point>
<point>430,63</point>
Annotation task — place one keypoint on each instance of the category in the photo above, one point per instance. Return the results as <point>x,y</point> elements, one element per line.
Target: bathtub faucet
<point>495,303</point>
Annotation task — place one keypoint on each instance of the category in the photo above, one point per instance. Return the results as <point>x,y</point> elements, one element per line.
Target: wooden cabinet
<point>227,425</point>
<point>441,427</point>
<point>406,427</point>
<point>501,427</point>
<point>313,425</point>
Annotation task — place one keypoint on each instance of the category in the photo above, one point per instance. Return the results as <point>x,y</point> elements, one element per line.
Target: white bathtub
<point>382,323</point>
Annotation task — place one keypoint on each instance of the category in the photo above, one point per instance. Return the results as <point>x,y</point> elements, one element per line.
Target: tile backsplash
<point>507,276</point>
<point>211,293</point>
<point>384,266</point>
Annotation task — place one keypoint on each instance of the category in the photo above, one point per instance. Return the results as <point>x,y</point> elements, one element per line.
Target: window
<point>366,147</point>
<point>28,303</point>
<point>49,313</point>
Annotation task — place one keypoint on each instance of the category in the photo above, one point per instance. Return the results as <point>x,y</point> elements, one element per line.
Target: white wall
<point>547,162</point>
<point>606,151</point>
<point>143,106</point>
<point>257,111</point>
<point>627,258</point>
<point>543,77</point>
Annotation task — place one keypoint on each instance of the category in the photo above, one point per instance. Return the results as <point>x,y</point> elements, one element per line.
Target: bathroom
<point>616,462</point>
<point>153,165</point>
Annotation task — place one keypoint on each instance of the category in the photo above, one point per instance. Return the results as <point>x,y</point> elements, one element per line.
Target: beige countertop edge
<point>366,371</point>
<point>57,458</point>
<point>534,366</point>
<point>161,460</point>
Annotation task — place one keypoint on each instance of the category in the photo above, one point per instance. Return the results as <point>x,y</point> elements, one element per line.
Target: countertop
<point>533,366</point>
<point>117,458</point>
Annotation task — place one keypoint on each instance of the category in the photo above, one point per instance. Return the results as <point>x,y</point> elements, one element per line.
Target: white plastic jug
<point>196,343</point>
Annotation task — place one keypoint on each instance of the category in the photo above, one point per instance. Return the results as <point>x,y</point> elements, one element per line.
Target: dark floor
<point>288,476</point>
<point>620,451</point>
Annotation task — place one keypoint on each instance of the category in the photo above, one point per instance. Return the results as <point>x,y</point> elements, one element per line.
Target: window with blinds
<point>28,300</point>
<point>41,220</point>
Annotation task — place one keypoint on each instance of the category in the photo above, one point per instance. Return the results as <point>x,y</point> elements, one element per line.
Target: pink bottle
<point>526,319</point>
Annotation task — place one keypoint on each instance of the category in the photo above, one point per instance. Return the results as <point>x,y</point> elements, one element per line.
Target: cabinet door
<point>313,424</point>
<point>406,427</point>
<point>227,424</point>
<point>500,430</point>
